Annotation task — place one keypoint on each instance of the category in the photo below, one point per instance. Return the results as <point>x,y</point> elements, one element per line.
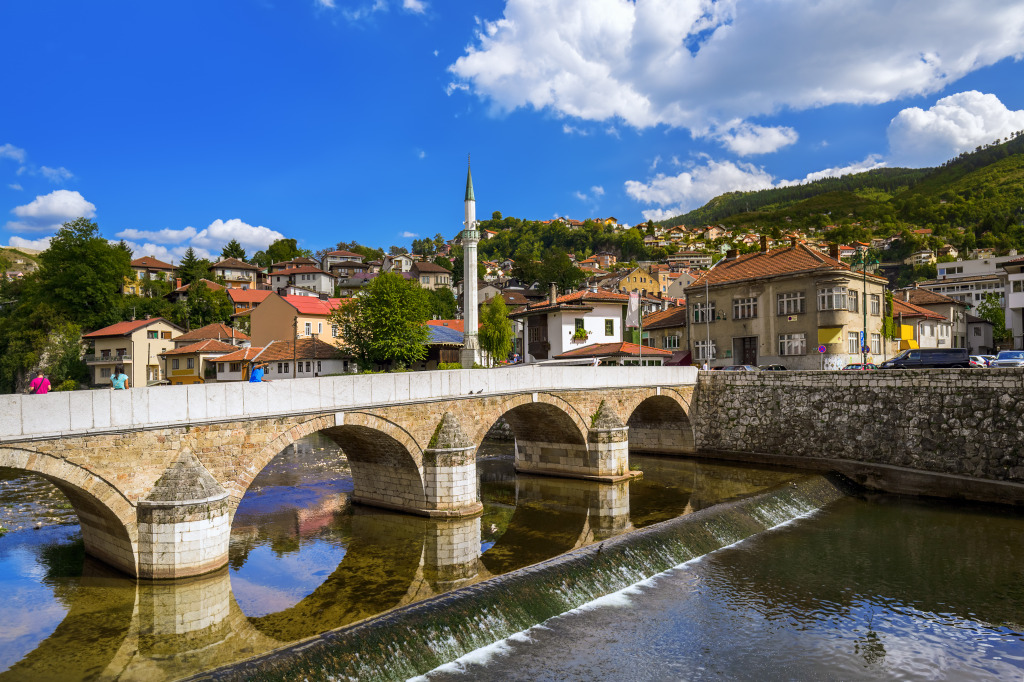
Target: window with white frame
<point>703,312</point>
<point>671,341</point>
<point>832,298</point>
<point>793,303</point>
<point>705,350</point>
<point>876,304</point>
<point>793,344</point>
<point>190,363</point>
<point>852,300</point>
<point>319,327</point>
<point>876,344</point>
<point>334,330</point>
<point>309,329</point>
<point>853,342</point>
<point>744,308</point>
<point>943,331</point>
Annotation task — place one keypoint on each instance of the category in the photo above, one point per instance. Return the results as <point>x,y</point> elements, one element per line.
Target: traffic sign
<point>821,349</point>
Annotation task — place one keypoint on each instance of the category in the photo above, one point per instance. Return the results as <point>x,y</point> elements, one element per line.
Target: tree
<point>283,250</point>
<point>233,250</point>
<point>386,323</point>
<point>443,305</point>
<point>81,275</point>
<point>397,250</point>
<point>990,309</point>
<point>192,268</point>
<point>496,329</point>
<point>202,306</point>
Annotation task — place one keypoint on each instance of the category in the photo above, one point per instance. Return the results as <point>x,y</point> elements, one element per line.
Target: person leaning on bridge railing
<point>119,380</point>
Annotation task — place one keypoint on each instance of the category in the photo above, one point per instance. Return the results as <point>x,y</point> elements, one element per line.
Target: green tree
<point>192,268</point>
<point>991,310</point>
<point>443,305</point>
<point>232,250</point>
<point>280,251</point>
<point>386,323</point>
<point>558,268</point>
<point>496,329</point>
<point>81,275</point>
<point>202,306</point>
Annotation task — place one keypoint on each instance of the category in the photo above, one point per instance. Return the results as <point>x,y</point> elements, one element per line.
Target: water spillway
<point>415,639</point>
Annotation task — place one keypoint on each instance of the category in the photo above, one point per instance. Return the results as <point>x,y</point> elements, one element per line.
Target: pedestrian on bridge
<point>119,380</point>
<point>40,385</point>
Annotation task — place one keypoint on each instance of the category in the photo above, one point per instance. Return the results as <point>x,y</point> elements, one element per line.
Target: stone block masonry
<point>950,433</point>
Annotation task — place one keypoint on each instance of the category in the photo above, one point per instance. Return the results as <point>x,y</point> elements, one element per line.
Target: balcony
<point>107,359</point>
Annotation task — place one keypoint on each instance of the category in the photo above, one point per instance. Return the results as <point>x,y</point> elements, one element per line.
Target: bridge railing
<point>25,417</point>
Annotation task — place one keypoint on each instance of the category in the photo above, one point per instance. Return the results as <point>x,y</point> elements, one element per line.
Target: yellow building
<point>147,268</point>
<point>136,345</point>
<point>194,363</point>
<point>285,318</point>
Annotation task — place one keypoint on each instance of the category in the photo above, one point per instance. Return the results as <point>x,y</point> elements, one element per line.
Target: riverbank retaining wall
<point>952,433</point>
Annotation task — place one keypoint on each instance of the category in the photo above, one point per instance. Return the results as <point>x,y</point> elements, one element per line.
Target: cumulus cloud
<point>9,151</point>
<point>700,63</point>
<point>49,211</point>
<point>573,130</point>
<point>675,194</point>
<point>37,244</point>
<point>171,243</point>
<point>744,139</point>
<point>409,235</point>
<point>415,6</point>
<point>596,192</point>
<point>56,174</point>
<point>955,124</point>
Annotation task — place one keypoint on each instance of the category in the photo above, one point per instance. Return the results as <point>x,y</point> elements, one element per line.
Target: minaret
<point>470,237</point>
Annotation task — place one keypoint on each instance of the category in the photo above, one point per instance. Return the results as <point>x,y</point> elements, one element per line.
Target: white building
<point>307,277</point>
<point>561,323</point>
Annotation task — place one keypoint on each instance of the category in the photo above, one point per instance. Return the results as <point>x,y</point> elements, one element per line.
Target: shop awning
<point>908,344</point>
<point>829,334</point>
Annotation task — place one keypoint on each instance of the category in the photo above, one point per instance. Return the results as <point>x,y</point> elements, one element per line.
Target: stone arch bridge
<point>155,474</point>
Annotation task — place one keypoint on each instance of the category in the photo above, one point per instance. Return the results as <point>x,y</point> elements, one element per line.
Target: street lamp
<point>862,260</point>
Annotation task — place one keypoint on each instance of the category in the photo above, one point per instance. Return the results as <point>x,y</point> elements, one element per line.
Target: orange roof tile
<point>673,317</point>
<point>216,330</point>
<point>790,260</point>
<point>248,295</point>
<point>910,310</point>
<point>236,264</point>
<point>241,355</point>
<point>207,346</point>
<point>313,305</point>
<point>125,328</point>
<point>150,262</point>
<point>622,348</point>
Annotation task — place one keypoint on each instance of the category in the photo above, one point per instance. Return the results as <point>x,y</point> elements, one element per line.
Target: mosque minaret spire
<point>470,238</point>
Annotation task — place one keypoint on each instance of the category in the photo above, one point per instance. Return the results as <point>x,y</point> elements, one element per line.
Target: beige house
<point>791,306</point>
<point>432,276</point>
<point>136,345</point>
<point>194,363</point>
<point>285,318</point>
<point>237,274</point>
<point>147,268</point>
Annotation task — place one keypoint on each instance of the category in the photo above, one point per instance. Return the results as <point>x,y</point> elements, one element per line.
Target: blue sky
<point>191,123</point>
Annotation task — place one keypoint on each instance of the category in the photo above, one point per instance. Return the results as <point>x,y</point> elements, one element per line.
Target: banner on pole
<point>633,310</point>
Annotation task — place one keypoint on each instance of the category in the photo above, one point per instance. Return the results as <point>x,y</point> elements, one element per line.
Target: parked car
<point>861,366</point>
<point>929,358</point>
<point>989,359</point>
<point>978,361</point>
<point>739,368</point>
<point>1009,358</point>
<point>772,368</point>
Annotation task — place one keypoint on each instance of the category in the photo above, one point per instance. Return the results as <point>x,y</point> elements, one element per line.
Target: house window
<point>190,363</point>
<point>833,298</point>
<point>853,342</point>
<point>165,335</point>
<point>104,372</point>
<point>851,301</point>
<point>152,335</point>
<point>425,279</point>
<point>175,363</point>
<point>792,303</point>
<point>309,366</point>
<point>220,366</point>
<point>744,308</point>
<point>876,344</point>
<point>279,368</point>
<point>705,350</point>
<point>287,367</point>
<point>943,331</point>
<point>579,324</point>
<point>334,330</point>
<point>793,344</point>
<point>236,367</point>
<point>671,341</point>
<point>318,368</point>
<point>977,331</point>
<point>702,312</point>
<point>609,327</point>
<point>876,304</point>
<point>309,329</point>
<point>319,327</point>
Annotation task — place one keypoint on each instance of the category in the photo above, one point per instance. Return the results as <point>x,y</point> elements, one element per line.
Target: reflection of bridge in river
<point>165,630</point>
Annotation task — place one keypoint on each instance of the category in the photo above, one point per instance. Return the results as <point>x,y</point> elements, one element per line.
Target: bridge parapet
<point>27,417</point>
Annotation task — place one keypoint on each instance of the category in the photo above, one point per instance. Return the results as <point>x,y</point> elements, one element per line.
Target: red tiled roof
<point>622,348</point>
<point>790,260</point>
<point>212,286</point>
<point>457,325</point>
<point>236,264</point>
<point>207,346</point>
<point>150,262</point>
<point>421,266</point>
<point>673,317</point>
<point>216,330</point>
<point>910,310</point>
<point>248,295</point>
<point>304,349</point>
<point>302,269</point>
<point>125,328</point>
<point>343,254</point>
<point>312,305</point>
<point>919,296</point>
<point>241,355</point>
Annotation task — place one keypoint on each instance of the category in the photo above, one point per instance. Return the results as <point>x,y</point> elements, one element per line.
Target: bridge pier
<point>603,457</point>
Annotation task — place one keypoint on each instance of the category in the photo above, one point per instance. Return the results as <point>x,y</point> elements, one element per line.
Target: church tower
<point>470,238</point>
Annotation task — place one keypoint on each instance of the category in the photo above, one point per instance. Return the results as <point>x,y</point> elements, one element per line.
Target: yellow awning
<point>907,331</point>
<point>829,334</point>
<point>908,344</point>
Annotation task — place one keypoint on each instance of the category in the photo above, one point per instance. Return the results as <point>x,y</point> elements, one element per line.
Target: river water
<point>868,588</point>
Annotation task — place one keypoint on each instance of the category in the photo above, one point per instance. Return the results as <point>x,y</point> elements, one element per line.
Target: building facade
<point>136,345</point>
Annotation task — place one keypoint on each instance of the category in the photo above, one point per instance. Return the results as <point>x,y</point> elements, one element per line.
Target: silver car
<point>1009,358</point>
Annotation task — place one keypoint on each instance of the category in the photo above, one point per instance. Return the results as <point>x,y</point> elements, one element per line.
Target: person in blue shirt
<point>257,374</point>
<point>119,380</point>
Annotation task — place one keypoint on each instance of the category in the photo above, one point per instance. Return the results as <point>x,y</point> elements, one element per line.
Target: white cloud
<point>363,11</point>
<point>597,191</point>
<point>166,236</point>
<point>251,237</point>
<point>744,139</point>
<point>37,244</point>
<point>49,211</point>
<point>654,164</point>
<point>420,154</point>
<point>56,174</point>
<point>168,254</point>
<point>698,64</point>
<point>675,194</point>
<point>9,151</point>
<point>329,4</point>
<point>172,243</point>
<point>408,235</point>
<point>436,53</point>
<point>580,195</point>
<point>15,186</point>
<point>613,131</point>
<point>573,130</point>
<point>955,124</point>
<point>416,6</point>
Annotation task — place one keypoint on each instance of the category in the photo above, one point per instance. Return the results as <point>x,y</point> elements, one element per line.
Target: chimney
<point>731,254</point>
<point>906,295</point>
<point>833,251</point>
<point>552,293</point>
<point>794,241</point>
<point>764,243</point>
<point>177,282</point>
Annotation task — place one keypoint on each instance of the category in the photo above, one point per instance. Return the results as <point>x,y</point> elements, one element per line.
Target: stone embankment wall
<point>954,433</point>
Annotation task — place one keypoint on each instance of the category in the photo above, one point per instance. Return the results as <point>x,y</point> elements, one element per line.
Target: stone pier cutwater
<point>155,474</point>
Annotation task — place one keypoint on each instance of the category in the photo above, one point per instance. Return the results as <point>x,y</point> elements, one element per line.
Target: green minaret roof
<point>469,185</point>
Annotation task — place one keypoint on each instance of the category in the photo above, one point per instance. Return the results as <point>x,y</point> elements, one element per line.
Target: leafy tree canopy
<point>192,268</point>
<point>201,307</point>
<point>442,304</point>
<point>990,309</point>
<point>233,250</point>
<point>496,329</point>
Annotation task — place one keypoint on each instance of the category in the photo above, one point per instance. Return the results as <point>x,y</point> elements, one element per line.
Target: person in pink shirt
<point>39,385</point>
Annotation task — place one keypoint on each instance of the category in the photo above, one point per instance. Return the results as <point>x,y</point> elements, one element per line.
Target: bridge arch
<point>106,517</point>
<point>538,416</point>
<point>659,421</point>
